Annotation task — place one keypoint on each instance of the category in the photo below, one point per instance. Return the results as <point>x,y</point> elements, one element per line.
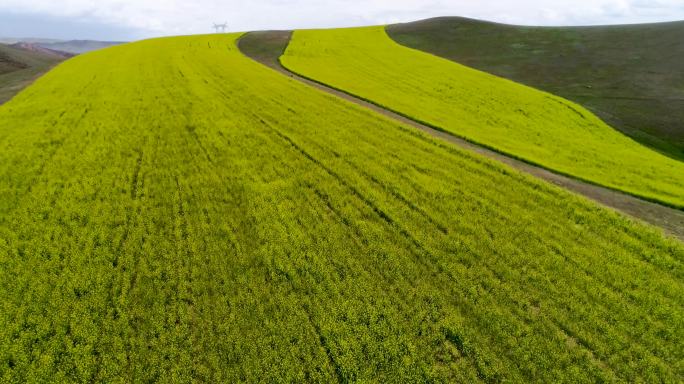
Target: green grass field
<point>172,211</point>
<point>19,67</point>
<point>525,123</point>
<point>630,75</point>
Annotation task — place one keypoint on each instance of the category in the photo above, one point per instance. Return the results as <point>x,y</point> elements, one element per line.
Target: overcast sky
<point>136,19</point>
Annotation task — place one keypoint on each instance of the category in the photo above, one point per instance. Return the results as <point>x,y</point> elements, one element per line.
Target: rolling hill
<point>519,121</point>
<point>19,66</point>
<point>171,210</point>
<point>629,75</point>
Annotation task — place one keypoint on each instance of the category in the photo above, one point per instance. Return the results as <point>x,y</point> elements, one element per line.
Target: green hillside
<point>514,119</point>
<point>630,75</point>
<point>173,211</point>
<point>18,67</point>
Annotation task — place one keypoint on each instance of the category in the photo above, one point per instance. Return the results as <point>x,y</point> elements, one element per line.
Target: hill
<point>172,210</point>
<point>520,121</point>
<point>19,66</point>
<point>630,75</point>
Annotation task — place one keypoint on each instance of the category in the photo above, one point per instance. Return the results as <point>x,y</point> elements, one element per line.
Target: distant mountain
<point>21,63</point>
<point>22,60</point>
<point>68,46</point>
<point>22,56</point>
<point>79,46</point>
<point>35,47</point>
<point>15,40</point>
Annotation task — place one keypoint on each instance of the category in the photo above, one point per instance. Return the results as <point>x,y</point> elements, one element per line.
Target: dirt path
<point>267,47</point>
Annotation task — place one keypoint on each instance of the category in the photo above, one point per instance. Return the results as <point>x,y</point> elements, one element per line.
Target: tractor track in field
<point>266,47</point>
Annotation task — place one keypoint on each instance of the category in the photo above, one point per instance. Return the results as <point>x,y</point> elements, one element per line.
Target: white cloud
<point>167,17</point>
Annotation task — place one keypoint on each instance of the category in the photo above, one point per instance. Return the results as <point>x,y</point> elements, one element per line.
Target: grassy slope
<point>171,210</point>
<point>512,118</point>
<point>19,67</point>
<point>629,75</point>
<point>265,47</point>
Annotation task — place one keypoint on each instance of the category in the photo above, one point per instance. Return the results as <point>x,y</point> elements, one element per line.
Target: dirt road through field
<point>267,47</point>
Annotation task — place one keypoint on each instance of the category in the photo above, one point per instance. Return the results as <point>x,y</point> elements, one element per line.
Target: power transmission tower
<point>220,27</point>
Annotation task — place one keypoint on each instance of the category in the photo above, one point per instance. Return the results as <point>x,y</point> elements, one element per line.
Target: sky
<point>125,20</point>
